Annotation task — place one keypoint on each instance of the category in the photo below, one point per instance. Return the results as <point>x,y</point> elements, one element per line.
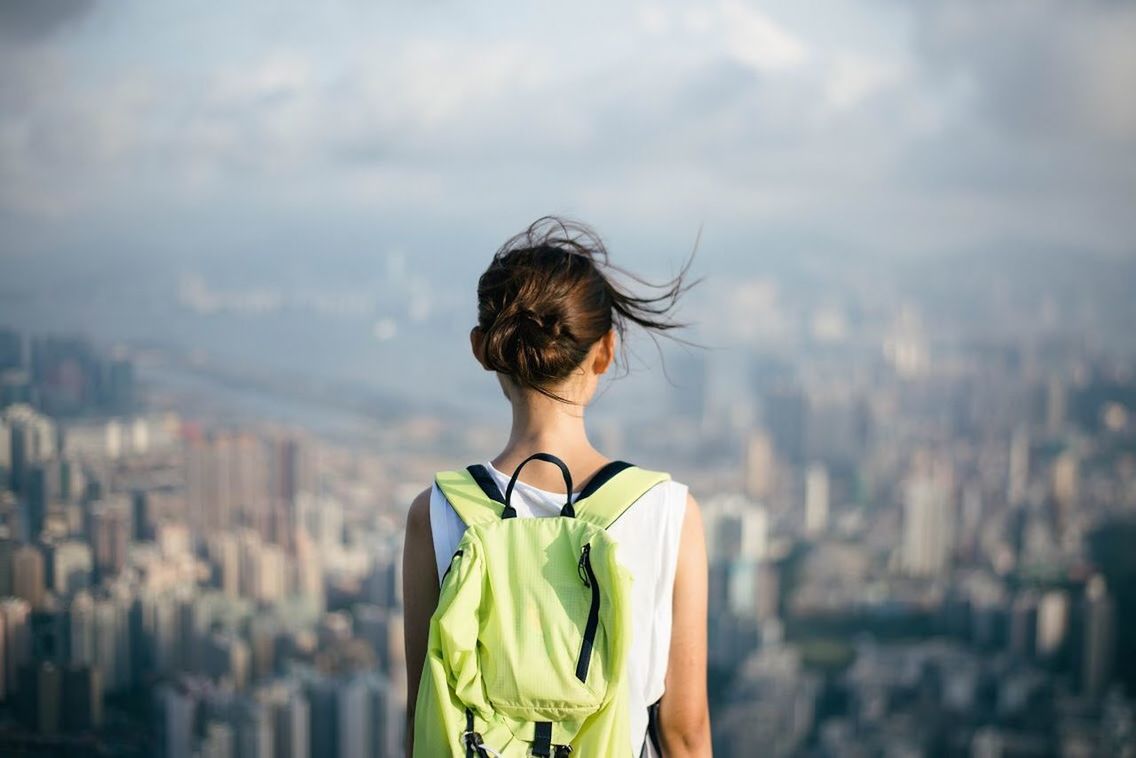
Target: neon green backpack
<point>528,645</point>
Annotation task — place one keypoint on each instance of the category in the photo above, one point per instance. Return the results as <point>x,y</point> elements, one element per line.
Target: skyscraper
<point>1098,620</point>
<point>28,579</point>
<point>928,526</point>
<point>82,698</point>
<point>290,720</point>
<point>109,535</point>
<point>291,472</point>
<point>760,466</point>
<point>1018,475</point>
<point>179,709</point>
<point>32,440</point>
<point>15,614</point>
<point>254,733</point>
<point>816,500</point>
<point>226,480</point>
<point>41,696</point>
<point>1066,486</point>
<point>72,565</point>
<point>81,630</point>
<point>1052,623</point>
<point>354,718</point>
<point>7,550</point>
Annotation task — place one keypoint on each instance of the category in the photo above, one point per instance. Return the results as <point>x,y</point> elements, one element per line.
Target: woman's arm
<point>684,713</point>
<point>419,599</point>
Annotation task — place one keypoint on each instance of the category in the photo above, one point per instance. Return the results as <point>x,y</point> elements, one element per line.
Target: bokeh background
<point>237,271</point>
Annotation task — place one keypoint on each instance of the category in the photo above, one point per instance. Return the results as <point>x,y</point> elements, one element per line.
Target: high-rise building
<point>3,660</point>
<point>226,480</point>
<point>179,709</point>
<point>1066,486</point>
<point>15,614</point>
<point>263,632</point>
<point>72,565</point>
<point>226,657</point>
<point>1055,406</point>
<point>32,440</point>
<point>288,710</point>
<point>737,537</point>
<point>928,526</point>
<point>1019,467</point>
<point>375,625</point>
<point>141,521</point>
<point>109,535</point>
<point>1024,624</point>
<point>40,490</point>
<point>1098,623</point>
<point>7,550</point>
<point>28,579</point>
<point>81,630</point>
<point>112,644</point>
<point>224,552</point>
<point>737,528</point>
<point>5,451</point>
<point>156,621</point>
<point>1052,623</point>
<point>816,500</point>
<point>219,741</point>
<point>41,694</point>
<point>760,466</point>
<point>323,709</point>
<point>291,472</point>
<point>386,711</point>
<point>16,387</point>
<point>354,718</point>
<point>321,518</point>
<point>253,730</point>
<point>82,698</point>
<point>768,602</point>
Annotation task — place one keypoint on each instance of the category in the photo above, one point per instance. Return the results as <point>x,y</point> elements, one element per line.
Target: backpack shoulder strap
<point>614,489</point>
<point>473,493</point>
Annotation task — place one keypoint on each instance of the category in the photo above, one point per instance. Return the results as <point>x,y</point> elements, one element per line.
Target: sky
<point>859,126</point>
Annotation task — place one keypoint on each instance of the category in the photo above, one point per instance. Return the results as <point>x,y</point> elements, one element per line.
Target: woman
<point>549,320</point>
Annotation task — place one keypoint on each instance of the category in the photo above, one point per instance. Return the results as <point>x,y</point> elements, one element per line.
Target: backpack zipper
<point>452,559</point>
<point>589,578</point>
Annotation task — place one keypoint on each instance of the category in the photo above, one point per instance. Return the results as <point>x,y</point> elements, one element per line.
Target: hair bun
<point>548,323</point>
<point>544,301</point>
<point>529,345</point>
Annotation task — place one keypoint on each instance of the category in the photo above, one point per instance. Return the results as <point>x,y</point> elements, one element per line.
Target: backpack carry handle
<point>567,510</point>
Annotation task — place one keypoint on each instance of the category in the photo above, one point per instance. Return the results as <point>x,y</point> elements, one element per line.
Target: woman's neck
<point>548,425</point>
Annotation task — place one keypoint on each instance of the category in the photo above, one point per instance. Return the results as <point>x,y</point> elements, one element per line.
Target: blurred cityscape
<point>921,531</point>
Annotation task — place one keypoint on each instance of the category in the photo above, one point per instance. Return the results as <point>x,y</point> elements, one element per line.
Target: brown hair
<point>547,297</point>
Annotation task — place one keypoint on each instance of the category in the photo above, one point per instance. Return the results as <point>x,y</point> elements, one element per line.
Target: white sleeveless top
<point>648,536</point>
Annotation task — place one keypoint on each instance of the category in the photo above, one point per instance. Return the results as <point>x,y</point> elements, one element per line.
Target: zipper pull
<point>584,561</point>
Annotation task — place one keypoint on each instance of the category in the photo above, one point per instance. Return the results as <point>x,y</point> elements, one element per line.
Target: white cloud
<point>1039,68</point>
<point>855,77</point>
<point>756,40</point>
<point>663,112</point>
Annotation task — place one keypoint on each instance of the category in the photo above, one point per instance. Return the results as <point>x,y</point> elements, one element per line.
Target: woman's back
<point>648,535</point>
<point>550,322</point>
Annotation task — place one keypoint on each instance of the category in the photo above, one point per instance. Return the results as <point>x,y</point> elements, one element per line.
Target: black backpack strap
<point>653,727</point>
<point>468,498</point>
